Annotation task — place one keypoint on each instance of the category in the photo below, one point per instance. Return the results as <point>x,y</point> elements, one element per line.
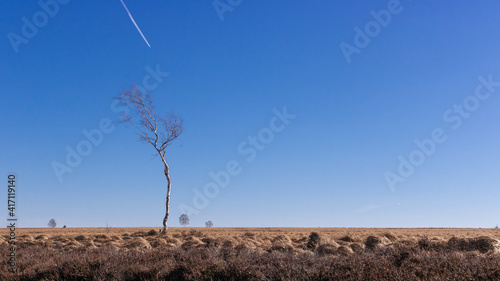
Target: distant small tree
<point>209,224</point>
<point>52,223</point>
<point>184,219</point>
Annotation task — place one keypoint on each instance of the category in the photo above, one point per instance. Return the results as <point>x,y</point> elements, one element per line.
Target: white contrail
<point>132,19</point>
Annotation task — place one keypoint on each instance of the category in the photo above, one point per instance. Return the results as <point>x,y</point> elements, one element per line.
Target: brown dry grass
<point>258,238</point>
<point>254,254</point>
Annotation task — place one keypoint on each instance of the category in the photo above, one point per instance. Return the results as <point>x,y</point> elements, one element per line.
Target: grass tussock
<point>348,238</point>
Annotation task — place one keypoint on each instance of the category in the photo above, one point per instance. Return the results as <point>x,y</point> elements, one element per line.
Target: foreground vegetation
<point>202,255</point>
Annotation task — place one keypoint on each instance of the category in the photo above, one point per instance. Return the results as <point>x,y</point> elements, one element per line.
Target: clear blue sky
<point>328,166</point>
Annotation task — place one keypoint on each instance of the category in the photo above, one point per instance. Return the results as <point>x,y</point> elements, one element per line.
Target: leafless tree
<point>184,219</point>
<point>209,224</point>
<point>158,131</point>
<point>52,223</point>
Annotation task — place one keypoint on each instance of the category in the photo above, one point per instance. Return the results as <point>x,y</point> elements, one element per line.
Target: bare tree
<point>209,224</point>
<point>52,223</point>
<point>184,219</point>
<point>158,131</point>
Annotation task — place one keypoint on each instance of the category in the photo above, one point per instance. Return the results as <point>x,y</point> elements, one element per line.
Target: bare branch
<point>159,132</point>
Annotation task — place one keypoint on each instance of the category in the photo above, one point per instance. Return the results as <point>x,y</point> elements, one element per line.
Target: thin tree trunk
<point>168,195</point>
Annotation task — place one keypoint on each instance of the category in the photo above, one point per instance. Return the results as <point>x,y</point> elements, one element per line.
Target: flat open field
<point>254,237</point>
<point>254,254</point>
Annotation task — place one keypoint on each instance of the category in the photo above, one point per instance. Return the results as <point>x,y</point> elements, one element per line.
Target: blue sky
<point>229,72</point>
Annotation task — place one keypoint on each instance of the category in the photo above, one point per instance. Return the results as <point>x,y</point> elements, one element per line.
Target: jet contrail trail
<point>132,19</point>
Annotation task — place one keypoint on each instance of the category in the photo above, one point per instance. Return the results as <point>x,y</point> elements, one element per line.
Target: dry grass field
<point>257,238</point>
<point>254,254</point>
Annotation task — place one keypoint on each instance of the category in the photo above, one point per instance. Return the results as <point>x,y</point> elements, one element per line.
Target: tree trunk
<point>168,196</point>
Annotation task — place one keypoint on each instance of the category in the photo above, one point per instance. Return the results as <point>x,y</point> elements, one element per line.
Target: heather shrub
<point>314,240</point>
<point>193,258</point>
